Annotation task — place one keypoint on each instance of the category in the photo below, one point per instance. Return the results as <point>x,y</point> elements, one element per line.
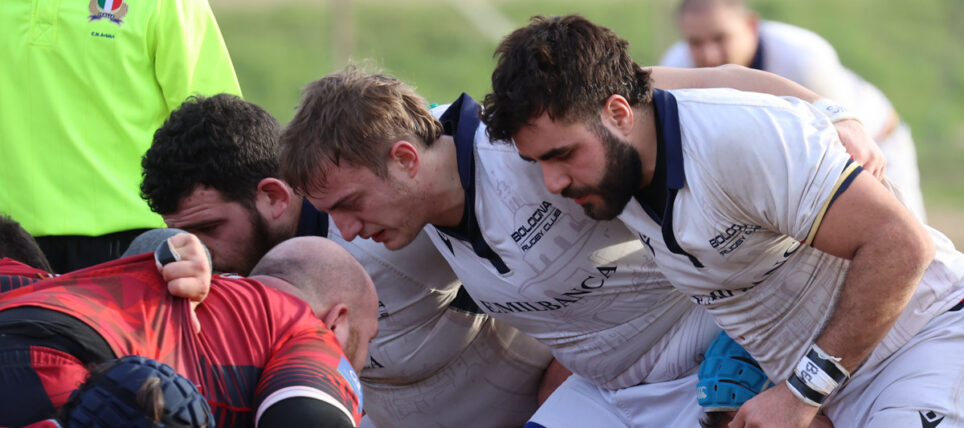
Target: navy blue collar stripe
<point>462,121</point>
<point>312,222</point>
<point>670,138</point>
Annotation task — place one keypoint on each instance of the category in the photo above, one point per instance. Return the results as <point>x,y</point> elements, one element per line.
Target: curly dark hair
<point>222,142</point>
<point>564,66</point>
<point>18,244</point>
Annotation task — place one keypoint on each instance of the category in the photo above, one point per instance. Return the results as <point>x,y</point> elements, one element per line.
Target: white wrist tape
<point>817,379</point>
<point>835,112</point>
<point>816,376</point>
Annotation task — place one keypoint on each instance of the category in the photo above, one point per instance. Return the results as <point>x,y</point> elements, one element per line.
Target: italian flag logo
<point>109,5</point>
<point>113,10</point>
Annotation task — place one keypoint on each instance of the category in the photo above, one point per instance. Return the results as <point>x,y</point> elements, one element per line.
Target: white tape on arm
<point>835,112</point>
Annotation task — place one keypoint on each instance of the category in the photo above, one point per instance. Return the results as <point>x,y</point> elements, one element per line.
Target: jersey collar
<point>757,62</point>
<point>461,121</point>
<point>670,139</point>
<point>312,222</point>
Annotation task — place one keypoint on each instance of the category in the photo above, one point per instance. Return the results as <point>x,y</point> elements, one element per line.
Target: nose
<point>347,224</point>
<point>708,55</point>
<point>555,178</point>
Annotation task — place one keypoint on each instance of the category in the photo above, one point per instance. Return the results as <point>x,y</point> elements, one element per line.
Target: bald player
<point>344,300</point>
<point>263,356</point>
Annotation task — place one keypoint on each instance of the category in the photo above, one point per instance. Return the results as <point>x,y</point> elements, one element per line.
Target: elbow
<point>927,250</point>
<point>918,248</point>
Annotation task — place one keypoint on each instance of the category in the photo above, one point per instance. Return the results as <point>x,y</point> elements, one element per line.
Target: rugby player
<point>16,243</point>
<point>364,148</point>
<point>751,207</point>
<point>717,32</point>
<point>263,357</point>
<point>437,359</point>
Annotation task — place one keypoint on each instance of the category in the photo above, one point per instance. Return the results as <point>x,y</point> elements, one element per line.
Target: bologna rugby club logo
<point>114,10</point>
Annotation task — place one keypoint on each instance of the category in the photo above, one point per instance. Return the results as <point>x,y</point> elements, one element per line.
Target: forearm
<point>876,290</point>
<point>730,76</point>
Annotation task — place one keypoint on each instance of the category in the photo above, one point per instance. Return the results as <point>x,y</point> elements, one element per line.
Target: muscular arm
<point>855,138</point>
<point>889,251</point>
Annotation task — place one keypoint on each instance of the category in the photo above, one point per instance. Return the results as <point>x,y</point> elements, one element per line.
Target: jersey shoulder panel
<point>310,363</point>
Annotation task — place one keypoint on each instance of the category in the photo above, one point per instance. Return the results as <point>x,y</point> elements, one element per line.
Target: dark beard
<point>623,177</point>
<point>262,240</point>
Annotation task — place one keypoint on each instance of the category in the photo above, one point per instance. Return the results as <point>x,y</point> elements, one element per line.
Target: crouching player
<point>263,358</point>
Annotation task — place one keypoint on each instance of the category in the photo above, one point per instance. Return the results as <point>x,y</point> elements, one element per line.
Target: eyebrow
<point>201,224</point>
<point>341,201</point>
<point>553,153</point>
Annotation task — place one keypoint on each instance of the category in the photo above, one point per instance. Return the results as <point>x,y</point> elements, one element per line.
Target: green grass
<point>913,51</point>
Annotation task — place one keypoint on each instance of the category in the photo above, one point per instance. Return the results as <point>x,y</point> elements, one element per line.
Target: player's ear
<point>272,197</point>
<point>618,114</point>
<point>405,155</point>
<point>753,21</point>
<point>337,321</point>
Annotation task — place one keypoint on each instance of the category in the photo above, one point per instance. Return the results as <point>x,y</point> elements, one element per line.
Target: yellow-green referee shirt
<point>83,86</point>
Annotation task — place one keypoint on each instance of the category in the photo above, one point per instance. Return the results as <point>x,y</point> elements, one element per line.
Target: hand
<point>775,407</point>
<point>189,277</point>
<point>861,146</point>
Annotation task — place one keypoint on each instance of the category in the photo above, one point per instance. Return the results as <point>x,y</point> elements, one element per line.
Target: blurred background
<point>912,51</point>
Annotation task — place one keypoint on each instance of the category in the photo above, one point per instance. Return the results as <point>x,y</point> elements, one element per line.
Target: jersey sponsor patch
<point>531,231</point>
<point>555,301</point>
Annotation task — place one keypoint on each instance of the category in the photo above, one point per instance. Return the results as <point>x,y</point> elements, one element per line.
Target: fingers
<point>194,319</point>
<point>862,147</point>
<point>191,288</point>
<point>189,247</point>
<point>189,277</point>
<point>739,420</point>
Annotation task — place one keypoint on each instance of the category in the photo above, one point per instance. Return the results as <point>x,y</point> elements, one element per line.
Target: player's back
<point>251,338</point>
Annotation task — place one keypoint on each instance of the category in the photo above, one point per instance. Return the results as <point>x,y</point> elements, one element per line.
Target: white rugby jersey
<point>808,59</point>
<point>415,289</point>
<point>748,178</point>
<point>587,289</point>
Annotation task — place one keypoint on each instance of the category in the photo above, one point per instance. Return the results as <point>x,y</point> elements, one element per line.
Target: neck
<point>288,223</point>
<point>643,139</point>
<point>443,188</point>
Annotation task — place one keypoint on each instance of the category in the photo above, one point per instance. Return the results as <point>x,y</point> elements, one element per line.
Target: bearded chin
<point>623,178</point>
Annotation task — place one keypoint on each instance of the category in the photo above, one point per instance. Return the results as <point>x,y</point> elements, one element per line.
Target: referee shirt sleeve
<point>190,56</point>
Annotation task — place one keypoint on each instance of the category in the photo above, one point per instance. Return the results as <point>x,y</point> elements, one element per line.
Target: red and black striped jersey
<point>257,345</point>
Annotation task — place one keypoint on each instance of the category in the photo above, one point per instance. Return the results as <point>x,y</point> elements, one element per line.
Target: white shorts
<point>920,384</point>
<point>493,383</point>
<point>580,404</point>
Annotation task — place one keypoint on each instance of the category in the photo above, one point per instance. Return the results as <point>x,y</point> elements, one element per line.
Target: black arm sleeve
<point>304,411</point>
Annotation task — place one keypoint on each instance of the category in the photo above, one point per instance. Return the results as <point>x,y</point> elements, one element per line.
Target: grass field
<point>913,51</point>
